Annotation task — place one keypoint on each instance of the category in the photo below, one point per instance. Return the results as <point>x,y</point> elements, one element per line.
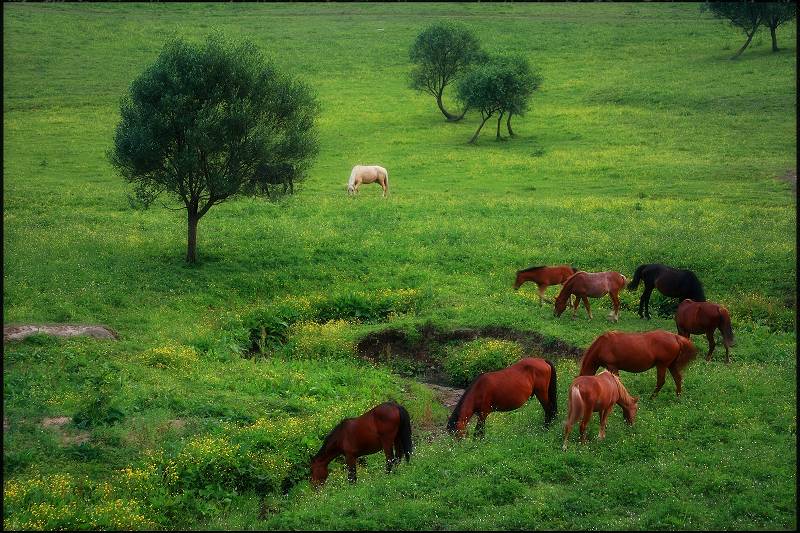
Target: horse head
<point>517,281</point>
<point>561,302</point>
<point>319,473</point>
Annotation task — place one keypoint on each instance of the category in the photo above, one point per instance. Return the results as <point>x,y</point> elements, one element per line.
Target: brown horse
<point>385,427</point>
<point>506,390</point>
<point>590,394</point>
<point>593,284</point>
<point>544,276</point>
<point>638,352</point>
<point>705,317</point>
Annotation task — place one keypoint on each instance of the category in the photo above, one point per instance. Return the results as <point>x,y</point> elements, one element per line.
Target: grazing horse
<point>368,174</point>
<point>590,394</point>
<point>594,284</point>
<point>705,317</point>
<point>669,282</point>
<point>386,426</point>
<point>638,352</point>
<point>544,276</point>
<point>506,390</point>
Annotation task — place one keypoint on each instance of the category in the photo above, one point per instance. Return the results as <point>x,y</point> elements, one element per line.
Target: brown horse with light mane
<point>368,174</point>
<point>385,427</point>
<point>638,352</point>
<point>544,276</point>
<point>590,394</point>
<point>705,317</point>
<point>592,284</point>
<point>506,390</point>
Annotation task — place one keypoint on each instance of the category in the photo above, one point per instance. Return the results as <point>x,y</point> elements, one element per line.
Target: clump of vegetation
<point>329,340</point>
<point>206,123</point>
<point>463,364</point>
<point>441,54</point>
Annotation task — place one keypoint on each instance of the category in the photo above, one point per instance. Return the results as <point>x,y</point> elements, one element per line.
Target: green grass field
<point>645,144</point>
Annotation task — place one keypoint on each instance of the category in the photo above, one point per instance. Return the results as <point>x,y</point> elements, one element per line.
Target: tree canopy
<point>441,53</point>
<point>205,123</point>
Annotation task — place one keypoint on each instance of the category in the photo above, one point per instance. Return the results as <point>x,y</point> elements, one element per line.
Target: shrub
<point>322,341</point>
<point>171,355</point>
<point>463,364</point>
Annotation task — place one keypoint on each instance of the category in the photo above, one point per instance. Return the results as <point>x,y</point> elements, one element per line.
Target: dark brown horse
<point>705,317</point>
<point>669,281</point>
<point>593,284</point>
<point>638,352</point>
<point>590,394</point>
<point>543,277</point>
<point>506,390</point>
<point>385,427</point>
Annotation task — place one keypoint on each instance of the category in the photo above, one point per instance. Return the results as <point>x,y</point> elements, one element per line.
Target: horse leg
<point>711,344</point>
<point>383,186</point>
<point>662,373</point>
<point>587,416</point>
<point>603,420</point>
<point>615,300</point>
<point>388,451</point>
<point>541,293</point>
<point>351,468</point>
<point>543,397</point>
<point>575,307</point>
<point>648,290</point>
<point>677,376</point>
<point>586,305</point>
<point>727,353</point>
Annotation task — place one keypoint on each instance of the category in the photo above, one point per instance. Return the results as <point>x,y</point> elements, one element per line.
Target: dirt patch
<point>6,424</point>
<point>20,332</point>
<point>791,178</point>
<point>66,437</point>
<point>56,422</point>
<point>447,396</point>
<point>417,353</point>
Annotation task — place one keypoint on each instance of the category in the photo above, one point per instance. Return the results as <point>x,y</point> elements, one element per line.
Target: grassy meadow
<point>644,144</point>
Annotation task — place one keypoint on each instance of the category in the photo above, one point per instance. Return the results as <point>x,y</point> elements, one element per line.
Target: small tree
<point>749,15</point>
<point>498,86</point>
<point>776,14</point>
<point>206,123</point>
<point>441,53</point>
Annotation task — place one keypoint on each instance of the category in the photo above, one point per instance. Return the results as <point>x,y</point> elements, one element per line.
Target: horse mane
<point>453,420</point>
<point>530,269</point>
<point>329,436</point>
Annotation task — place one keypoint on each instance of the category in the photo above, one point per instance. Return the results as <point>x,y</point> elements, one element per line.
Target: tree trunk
<point>191,248</point>
<point>497,138</point>
<point>472,141</point>
<point>774,37</point>
<point>450,117</point>
<point>746,44</point>
<point>508,124</point>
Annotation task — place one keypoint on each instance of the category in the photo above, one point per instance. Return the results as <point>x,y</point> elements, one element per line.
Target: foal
<point>705,317</point>
<point>386,426</point>
<point>590,394</point>
<point>594,284</point>
<point>544,276</point>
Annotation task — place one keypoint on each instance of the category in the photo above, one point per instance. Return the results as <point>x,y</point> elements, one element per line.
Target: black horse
<point>670,282</point>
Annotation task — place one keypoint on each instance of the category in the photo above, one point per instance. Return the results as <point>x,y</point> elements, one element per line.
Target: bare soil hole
<point>418,355</point>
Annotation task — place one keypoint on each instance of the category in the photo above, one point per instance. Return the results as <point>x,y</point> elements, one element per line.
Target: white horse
<point>368,174</point>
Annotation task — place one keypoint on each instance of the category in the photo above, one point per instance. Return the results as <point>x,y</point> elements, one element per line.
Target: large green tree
<point>750,15</point>
<point>442,53</point>
<point>208,122</point>
<point>498,86</point>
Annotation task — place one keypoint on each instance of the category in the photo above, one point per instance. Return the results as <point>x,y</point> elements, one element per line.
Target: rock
<point>20,332</point>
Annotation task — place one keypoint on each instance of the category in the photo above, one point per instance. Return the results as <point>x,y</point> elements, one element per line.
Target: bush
<point>321,341</point>
<point>463,364</point>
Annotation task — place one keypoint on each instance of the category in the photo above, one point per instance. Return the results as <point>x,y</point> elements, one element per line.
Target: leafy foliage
<point>750,15</point>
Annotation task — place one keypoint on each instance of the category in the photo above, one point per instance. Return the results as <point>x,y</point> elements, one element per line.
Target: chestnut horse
<point>506,390</point>
<point>594,284</point>
<point>638,352</point>
<point>386,426</point>
<point>368,174</point>
<point>590,394</point>
<point>669,281</point>
<point>544,276</point>
<point>705,317</point>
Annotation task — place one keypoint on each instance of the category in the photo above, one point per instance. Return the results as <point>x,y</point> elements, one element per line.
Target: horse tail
<point>574,405</point>
<point>636,277</point>
<point>386,173</point>
<point>552,388</point>
<point>453,420</point>
<point>686,353</point>
<point>725,327</point>
<point>404,433</point>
